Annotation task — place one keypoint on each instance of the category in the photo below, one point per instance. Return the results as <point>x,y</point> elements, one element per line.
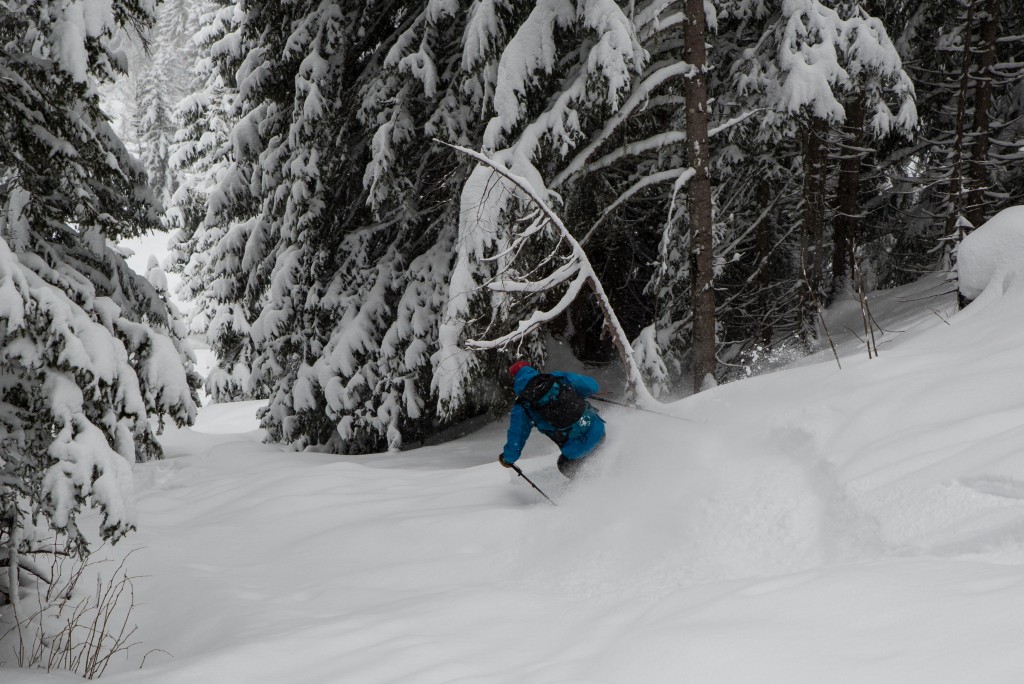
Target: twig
<point>153,650</point>
<point>865,311</point>
<point>941,318</point>
<point>919,299</point>
<point>821,317</point>
<point>80,636</point>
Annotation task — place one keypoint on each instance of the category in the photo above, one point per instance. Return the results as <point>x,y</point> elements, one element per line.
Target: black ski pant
<point>571,467</point>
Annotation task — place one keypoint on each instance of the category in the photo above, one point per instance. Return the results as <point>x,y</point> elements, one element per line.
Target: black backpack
<point>553,399</point>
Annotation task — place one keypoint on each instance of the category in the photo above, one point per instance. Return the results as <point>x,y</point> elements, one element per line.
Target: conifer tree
<point>162,59</point>
<point>89,351</point>
<point>156,134</point>
<point>817,69</point>
<point>211,212</point>
<point>698,196</point>
<point>354,275</point>
<point>967,60</point>
<point>352,258</point>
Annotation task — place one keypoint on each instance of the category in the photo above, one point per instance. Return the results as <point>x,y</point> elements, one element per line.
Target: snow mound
<point>992,254</point>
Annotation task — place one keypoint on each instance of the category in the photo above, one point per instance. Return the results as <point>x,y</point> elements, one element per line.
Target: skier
<point>554,403</point>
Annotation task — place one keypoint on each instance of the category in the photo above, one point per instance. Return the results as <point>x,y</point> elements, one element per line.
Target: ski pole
<point>616,403</point>
<point>514,467</point>
<point>638,408</point>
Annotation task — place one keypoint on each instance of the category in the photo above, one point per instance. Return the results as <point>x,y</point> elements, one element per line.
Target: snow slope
<point>816,524</point>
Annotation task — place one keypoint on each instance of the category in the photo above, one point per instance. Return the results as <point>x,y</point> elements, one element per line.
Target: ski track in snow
<point>688,512</point>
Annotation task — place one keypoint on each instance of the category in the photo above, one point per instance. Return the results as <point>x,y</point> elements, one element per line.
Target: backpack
<point>554,400</point>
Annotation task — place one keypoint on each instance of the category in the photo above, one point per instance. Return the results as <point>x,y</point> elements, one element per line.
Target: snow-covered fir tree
<point>161,57</point>
<point>808,73</point>
<point>91,358</point>
<point>155,130</point>
<point>211,212</point>
<point>352,276</point>
<point>347,258</point>
<point>967,60</point>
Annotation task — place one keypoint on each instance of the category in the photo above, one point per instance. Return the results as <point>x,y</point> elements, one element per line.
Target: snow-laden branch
<point>637,147</point>
<point>577,272</point>
<point>536,319</point>
<point>612,59</point>
<point>635,99</point>
<point>520,182</point>
<point>812,58</point>
<point>680,176</point>
<point>561,274</point>
<point>726,125</point>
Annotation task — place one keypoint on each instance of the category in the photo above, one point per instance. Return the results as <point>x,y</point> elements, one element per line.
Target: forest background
<point>719,172</point>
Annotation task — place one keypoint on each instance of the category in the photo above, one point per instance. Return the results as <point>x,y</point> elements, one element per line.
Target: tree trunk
<point>956,171</point>
<point>847,222</point>
<point>13,579</point>
<point>764,248</point>
<point>699,197</point>
<point>978,165</point>
<point>812,242</point>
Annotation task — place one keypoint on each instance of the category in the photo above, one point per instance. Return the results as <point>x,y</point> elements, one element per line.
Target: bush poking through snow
<point>68,629</point>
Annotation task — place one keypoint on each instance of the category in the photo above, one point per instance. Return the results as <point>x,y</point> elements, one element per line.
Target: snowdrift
<point>992,256</point>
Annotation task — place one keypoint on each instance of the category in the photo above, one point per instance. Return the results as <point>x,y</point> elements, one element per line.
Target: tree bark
<point>765,331</point>
<point>699,196</point>
<point>847,222</point>
<point>13,580</point>
<point>813,239</point>
<point>956,171</point>
<point>974,208</point>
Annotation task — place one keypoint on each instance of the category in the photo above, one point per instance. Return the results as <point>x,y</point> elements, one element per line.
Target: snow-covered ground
<point>815,524</point>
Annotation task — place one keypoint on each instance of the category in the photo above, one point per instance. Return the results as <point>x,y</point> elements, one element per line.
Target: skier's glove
<point>502,461</point>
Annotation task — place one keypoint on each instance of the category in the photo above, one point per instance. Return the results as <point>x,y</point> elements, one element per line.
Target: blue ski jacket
<point>586,434</point>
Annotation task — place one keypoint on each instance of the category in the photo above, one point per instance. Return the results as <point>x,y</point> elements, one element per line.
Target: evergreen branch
<point>585,276</point>
<point>679,175</point>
